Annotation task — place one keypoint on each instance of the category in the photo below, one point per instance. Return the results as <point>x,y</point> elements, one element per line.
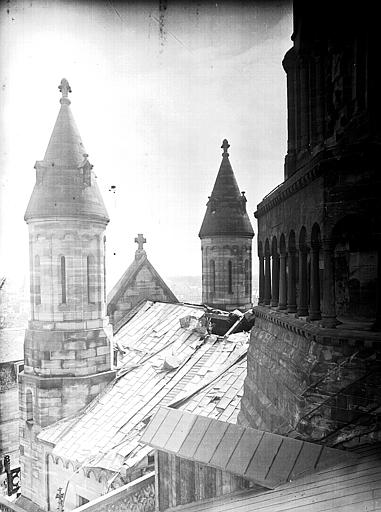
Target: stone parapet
<point>138,495</point>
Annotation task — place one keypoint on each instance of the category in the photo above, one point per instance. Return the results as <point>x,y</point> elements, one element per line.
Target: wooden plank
<point>334,501</point>
<point>164,490</point>
<point>284,461</point>
<point>344,478</point>
<point>194,437</point>
<point>186,476</point>
<point>263,458</point>
<point>227,445</point>
<point>307,458</point>
<point>210,441</point>
<point>330,457</point>
<point>153,425</point>
<point>165,429</point>
<point>307,500</point>
<point>181,431</point>
<point>244,451</point>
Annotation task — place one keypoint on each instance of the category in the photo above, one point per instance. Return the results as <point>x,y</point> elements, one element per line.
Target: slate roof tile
<point>109,429</point>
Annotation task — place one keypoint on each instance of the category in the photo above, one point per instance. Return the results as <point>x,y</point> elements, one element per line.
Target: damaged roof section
<point>168,357</point>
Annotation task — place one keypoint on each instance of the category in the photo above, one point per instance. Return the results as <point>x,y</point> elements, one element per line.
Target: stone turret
<point>68,352</point>
<point>226,237</point>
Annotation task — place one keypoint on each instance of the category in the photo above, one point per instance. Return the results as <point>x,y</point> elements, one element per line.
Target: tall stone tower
<point>226,238</point>
<point>68,352</point>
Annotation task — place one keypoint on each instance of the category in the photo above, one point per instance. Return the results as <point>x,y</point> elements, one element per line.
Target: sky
<point>156,87</point>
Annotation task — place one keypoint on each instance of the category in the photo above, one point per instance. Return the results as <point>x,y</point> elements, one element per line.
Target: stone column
<point>304,103</point>
<point>315,284</point>
<point>261,297</point>
<point>275,281</point>
<point>282,282</point>
<point>319,81</point>
<point>303,295</point>
<point>289,66</point>
<point>267,280</point>
<point>329,301</point>
<point>291,285</point>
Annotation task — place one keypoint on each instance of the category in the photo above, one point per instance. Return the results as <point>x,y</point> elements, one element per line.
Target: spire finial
<point>140,240</point>
<point>225,146</point>
<point>65,88</point>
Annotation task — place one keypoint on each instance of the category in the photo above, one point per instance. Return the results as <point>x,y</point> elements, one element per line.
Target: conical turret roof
<point>65,184</point>
<point>226,209</point>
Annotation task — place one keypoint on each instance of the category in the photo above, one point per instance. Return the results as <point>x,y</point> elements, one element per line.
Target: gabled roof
<point>65,184</point>
<point>127,280</point>
<point>262,457</point>
<point>226,209</point>
<point>168,359</point>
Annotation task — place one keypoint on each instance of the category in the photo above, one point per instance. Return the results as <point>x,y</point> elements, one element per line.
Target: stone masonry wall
<point>222,250</point>
<point>144,287</point>
<point>317,384</point>
<point>85,291</point>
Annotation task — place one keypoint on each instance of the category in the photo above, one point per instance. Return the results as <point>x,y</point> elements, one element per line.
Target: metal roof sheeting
<point>262,457</point>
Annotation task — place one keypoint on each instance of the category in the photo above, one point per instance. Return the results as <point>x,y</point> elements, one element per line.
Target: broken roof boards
<point>168,359</point>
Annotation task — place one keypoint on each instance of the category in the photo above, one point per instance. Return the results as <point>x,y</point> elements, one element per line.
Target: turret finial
<point>225,146</point>
<point>65,88</point>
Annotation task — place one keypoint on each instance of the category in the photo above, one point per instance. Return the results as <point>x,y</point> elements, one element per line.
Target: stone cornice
<point>325,160</point>
<point>321,335</point>
<point>303,177</point>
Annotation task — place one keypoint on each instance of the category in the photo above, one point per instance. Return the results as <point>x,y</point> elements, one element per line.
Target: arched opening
<point>355,269</point>
<point>37,280</point>
<point>230,277</point>
<point>282,273</point>
<point>267,273</point>
<point>29,405</point>
<point>303,278</point>
<point>315,274</point>
<point>63,279</point>
<point>91,279</point>
<point>212,276</point>
<point>274,273</point>
<point>291,273</point>
<point>261,291</point>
